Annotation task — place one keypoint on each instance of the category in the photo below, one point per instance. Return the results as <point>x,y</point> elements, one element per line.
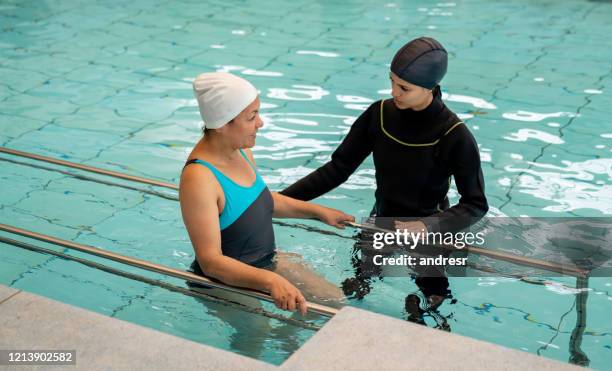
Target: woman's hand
<point>286,207</point>
<point>333,217</point>
<point>285,295</point>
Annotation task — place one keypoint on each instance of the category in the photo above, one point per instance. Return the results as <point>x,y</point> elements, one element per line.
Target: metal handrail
<point>536,263</point>
<point>580,274</point>
<point>129,177</point>
<point>91,169</point>
<point>146,265</point>
<point>193,292</point>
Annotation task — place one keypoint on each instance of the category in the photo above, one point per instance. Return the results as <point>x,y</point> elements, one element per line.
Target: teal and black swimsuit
<point>246,220</point>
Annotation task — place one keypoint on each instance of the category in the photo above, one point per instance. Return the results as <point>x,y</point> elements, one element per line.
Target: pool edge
<point>29,322</point>
<point>357,339</point>
<point>354,339</point>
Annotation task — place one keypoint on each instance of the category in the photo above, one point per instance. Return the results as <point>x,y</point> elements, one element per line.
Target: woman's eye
<point>403,88</point>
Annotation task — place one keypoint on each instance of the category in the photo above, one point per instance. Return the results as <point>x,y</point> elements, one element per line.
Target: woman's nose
<point>395,93</point>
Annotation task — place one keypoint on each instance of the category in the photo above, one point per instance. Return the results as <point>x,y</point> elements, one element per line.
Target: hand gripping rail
<point>143,264</point>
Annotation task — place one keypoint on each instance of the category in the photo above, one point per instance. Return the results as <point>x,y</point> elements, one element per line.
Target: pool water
<point>108,84</point>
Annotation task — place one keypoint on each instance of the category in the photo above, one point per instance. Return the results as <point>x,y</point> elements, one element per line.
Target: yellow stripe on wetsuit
<point>382,126</point>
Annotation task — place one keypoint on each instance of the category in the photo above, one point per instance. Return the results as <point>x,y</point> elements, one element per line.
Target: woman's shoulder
<point>196,172</point>
<point>460,143</point>
<point>370,116</point>
<point>377,105</point>
<point>458,130</point>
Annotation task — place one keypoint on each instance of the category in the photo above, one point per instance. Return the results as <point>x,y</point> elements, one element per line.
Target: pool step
<point>29,321</point>
<point>354,339</point>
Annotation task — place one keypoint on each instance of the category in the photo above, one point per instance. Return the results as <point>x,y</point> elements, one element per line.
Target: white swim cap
<point>221,97</point>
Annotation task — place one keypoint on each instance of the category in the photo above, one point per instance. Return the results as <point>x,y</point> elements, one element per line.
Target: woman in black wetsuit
<point>417,144</point>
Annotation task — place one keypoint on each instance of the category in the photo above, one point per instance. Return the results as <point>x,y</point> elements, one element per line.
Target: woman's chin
<point>399,105</point>
<point>250,143</point>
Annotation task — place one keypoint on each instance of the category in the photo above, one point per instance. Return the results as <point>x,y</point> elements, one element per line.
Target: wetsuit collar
<point>435,106</point>
<point>430,111</point>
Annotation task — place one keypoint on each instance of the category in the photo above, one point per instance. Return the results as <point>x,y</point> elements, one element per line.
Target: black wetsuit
<point>415,154</point>
<point>412,181</point>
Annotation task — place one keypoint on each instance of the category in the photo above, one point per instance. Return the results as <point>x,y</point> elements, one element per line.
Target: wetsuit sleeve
<point>355,147</point>
<point>467,172</point>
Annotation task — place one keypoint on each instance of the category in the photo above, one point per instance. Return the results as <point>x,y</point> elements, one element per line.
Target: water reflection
<point>318,53</point>
<point>568,187</point>
<point>298,93</point>
<point>534,116</point>
<point>525,134</point>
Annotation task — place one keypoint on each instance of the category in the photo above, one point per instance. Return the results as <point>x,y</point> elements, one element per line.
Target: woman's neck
<point>426,102</point>
<point>216,149</point>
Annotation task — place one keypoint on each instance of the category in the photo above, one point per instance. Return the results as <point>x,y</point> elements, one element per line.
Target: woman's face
<point>406,95</point>
<point>243,128</point>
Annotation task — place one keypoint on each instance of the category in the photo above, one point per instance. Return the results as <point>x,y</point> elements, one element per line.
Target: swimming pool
<point>108,84</point>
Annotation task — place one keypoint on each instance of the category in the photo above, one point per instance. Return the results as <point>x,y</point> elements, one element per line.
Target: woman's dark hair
<point>206,130</point>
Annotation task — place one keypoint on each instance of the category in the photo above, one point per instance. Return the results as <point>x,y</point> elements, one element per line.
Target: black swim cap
<point>421,62</point>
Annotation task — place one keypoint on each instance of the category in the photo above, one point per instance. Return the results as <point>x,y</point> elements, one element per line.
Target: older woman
<point>228,209</point>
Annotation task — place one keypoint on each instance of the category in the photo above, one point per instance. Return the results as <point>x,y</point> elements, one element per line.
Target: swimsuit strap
<point>219,175</point>
<point>249,161</point>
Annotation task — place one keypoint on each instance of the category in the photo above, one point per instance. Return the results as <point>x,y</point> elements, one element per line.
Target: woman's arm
<point>464,160</point>
<point>286,207</point>
<point>355,147</point>
<point>199,193</point>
